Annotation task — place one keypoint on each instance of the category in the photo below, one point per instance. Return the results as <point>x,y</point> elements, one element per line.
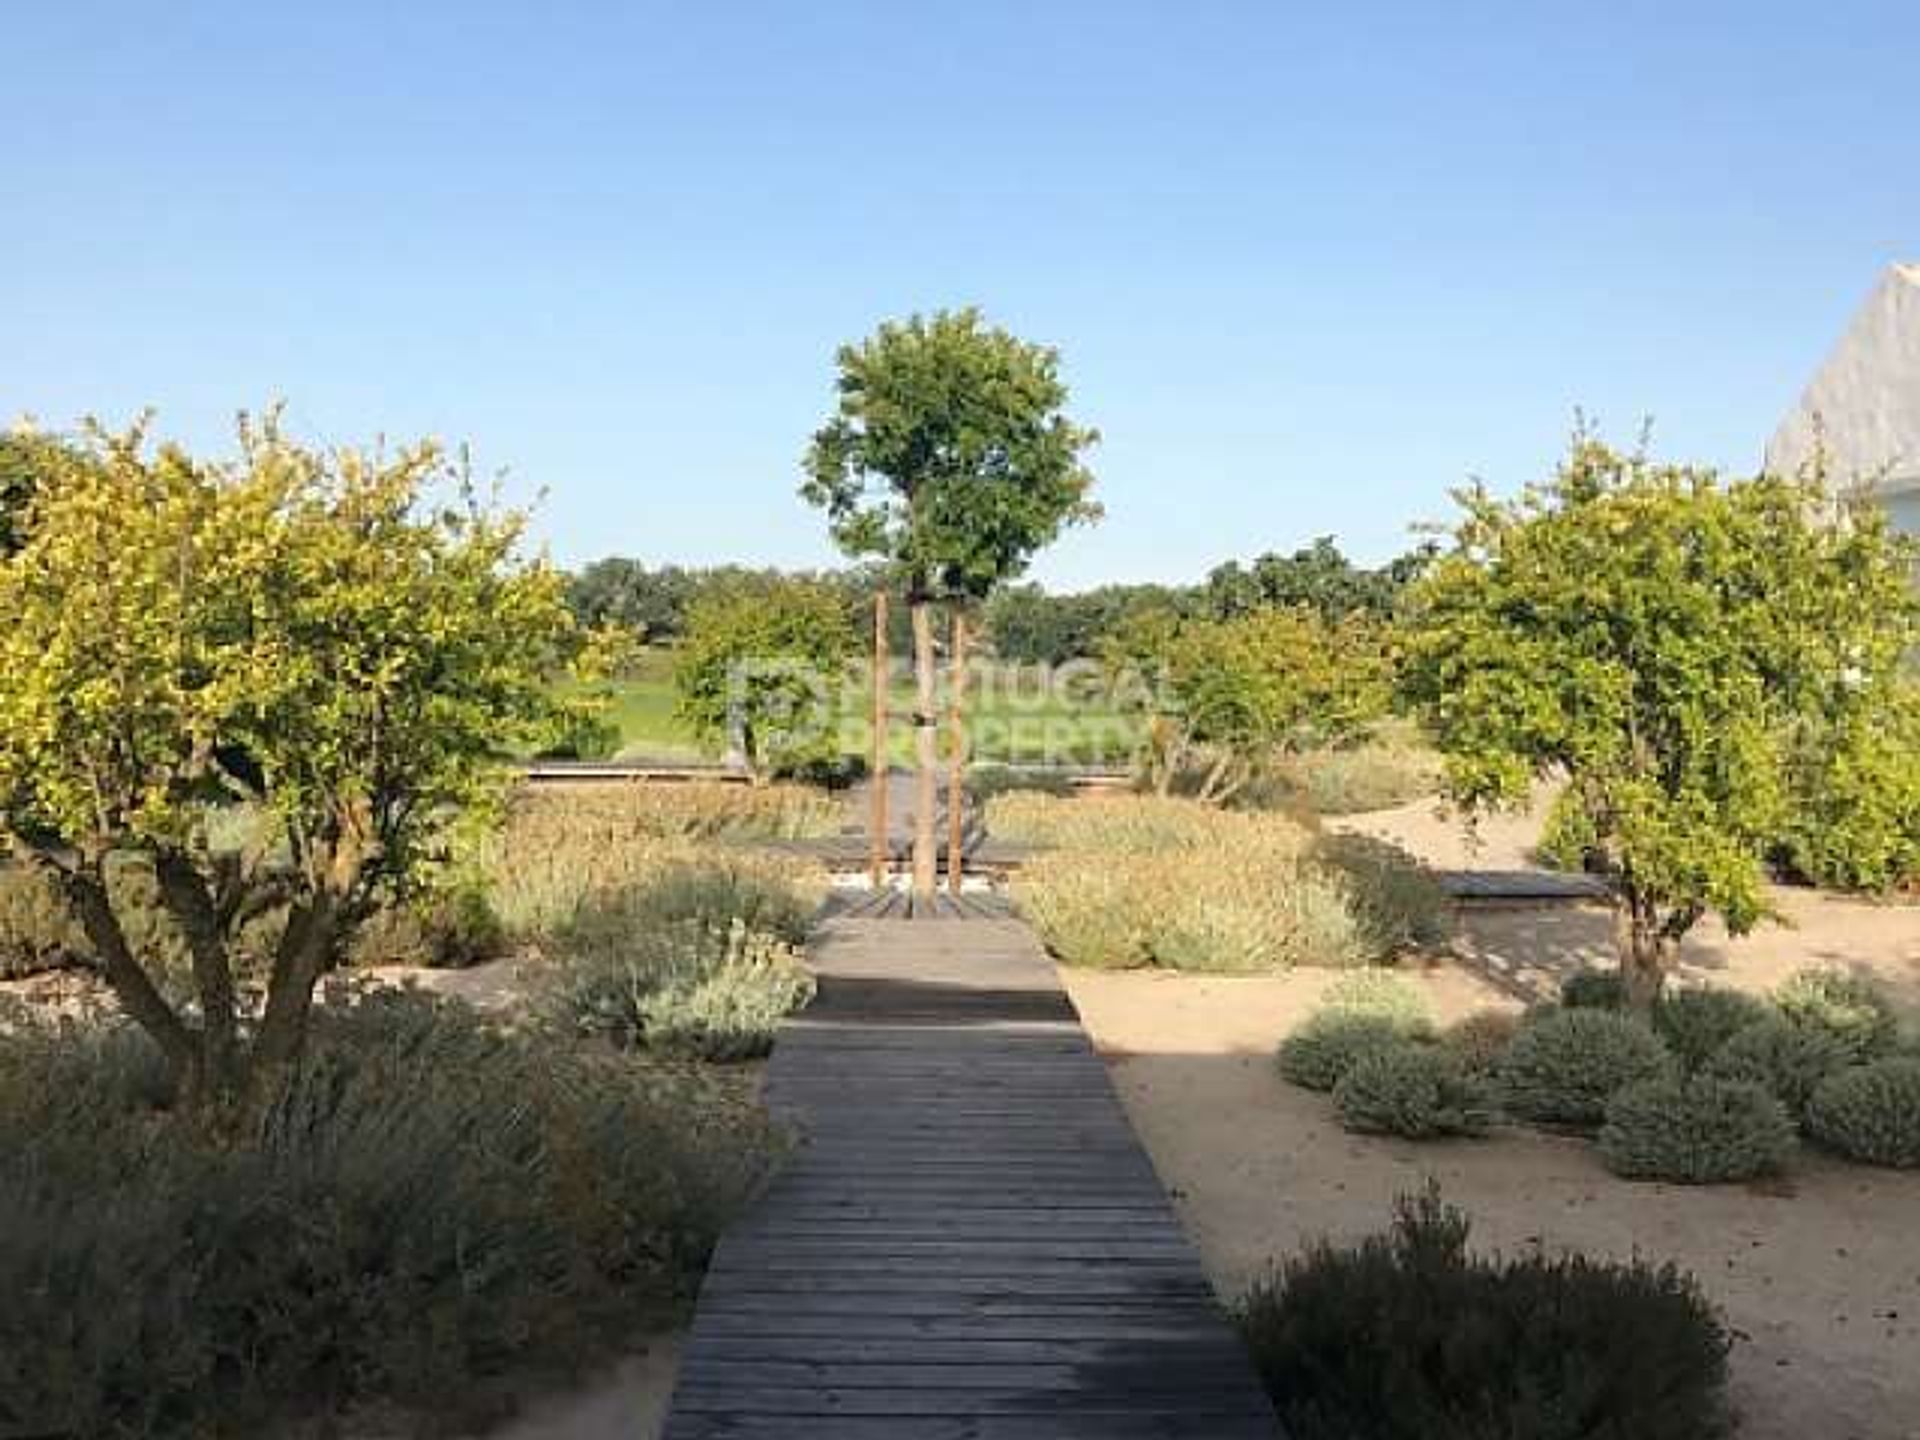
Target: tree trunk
<point>184,895</point>
<point>86,894</point>
<point>925,751</point>
<point>1646,952</point>
<point>297,966</point>
<point>1162,756</point>
<point>1219,785</point>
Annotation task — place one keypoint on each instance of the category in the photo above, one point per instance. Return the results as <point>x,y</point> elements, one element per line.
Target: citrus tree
<point>1223,696</point>
<point>758,668</point>
<point>1658,637</point>
<point>27,460</point>
<point>274,682</point>
<point>951,458</point>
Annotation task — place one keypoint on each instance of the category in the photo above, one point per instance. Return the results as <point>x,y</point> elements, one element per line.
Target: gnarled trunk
<point>1646,950</point>
<point>212,1068</point>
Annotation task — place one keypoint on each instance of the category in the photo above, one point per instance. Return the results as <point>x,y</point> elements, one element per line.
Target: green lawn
<point>1011,725</point>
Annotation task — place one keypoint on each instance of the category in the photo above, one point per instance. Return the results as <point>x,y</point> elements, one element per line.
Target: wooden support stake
<point>879,779</point>
<point>957,762</point>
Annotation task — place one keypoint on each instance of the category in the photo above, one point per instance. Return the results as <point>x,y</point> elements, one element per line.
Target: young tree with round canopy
<point>1657,638</point>
<point>276,682</point>
<point>950,457</point>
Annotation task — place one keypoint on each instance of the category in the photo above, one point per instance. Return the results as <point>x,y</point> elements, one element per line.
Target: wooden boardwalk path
<point>970,1244</point>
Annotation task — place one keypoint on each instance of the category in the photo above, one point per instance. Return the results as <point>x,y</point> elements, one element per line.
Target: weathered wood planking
<point>971,1243</point>
<point>904,905</point>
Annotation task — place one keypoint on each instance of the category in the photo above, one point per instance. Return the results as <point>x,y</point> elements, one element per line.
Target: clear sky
<point>1308,266</point>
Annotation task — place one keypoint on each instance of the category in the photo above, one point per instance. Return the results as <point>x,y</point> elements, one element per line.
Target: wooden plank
<point>956,1351</point>
<point>1189,1398</point>
<point>969,1243</point>
<point>1182,1426</point>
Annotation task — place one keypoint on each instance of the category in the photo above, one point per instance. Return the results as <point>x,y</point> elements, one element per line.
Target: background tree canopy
<point>1024,624</point>
<point>760,669</point>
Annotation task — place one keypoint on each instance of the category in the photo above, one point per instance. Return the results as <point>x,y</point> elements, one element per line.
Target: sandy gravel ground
<point>1523,950</point>
<point>628,1402</point>
<point>1819,1273</point>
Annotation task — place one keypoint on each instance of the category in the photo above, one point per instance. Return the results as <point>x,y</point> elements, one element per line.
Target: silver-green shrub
<point>1154,881</point>
<point>718,892</point>
<point>1565,1065</point>
<point>1592,989</point>
<point>1870,1113</point>
<point>1698,1131</point>
<point>435,1201</point>
<point>674,988</point>
<point>1373,991</point>
<point>1351,780</point>
<point>1697,1021</point>
<point>1318,1055</point>
<point>1850,1007</point>
<point>1415,1335</point>
<point>1789,1060</point>
<point>1415,1091</point>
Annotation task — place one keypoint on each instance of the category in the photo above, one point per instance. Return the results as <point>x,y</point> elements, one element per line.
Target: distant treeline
<point>1024,622</point>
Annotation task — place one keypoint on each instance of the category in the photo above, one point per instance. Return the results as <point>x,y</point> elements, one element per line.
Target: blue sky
<point>1308,266</point>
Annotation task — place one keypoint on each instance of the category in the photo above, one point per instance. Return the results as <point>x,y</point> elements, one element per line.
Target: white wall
<point>1864,402</point>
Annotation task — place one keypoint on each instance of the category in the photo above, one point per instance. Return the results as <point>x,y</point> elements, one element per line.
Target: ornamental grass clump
<point>1318,1055</point>
<point>1696,1131</point>
<point>1565,1065</point>
<point>1870,1113</point>
<point>1389,770</point>
<point>1788,1060</point>
<point>1088,915</point>
<point>1396,901</point>
<point>1698,1021</point>
<point>1414,1091</point>
<point>561,847</point>
<point>1128,824</point>
<point>1851,1008</point>
<point>1154,881</point>
<point>1410,1336</point>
